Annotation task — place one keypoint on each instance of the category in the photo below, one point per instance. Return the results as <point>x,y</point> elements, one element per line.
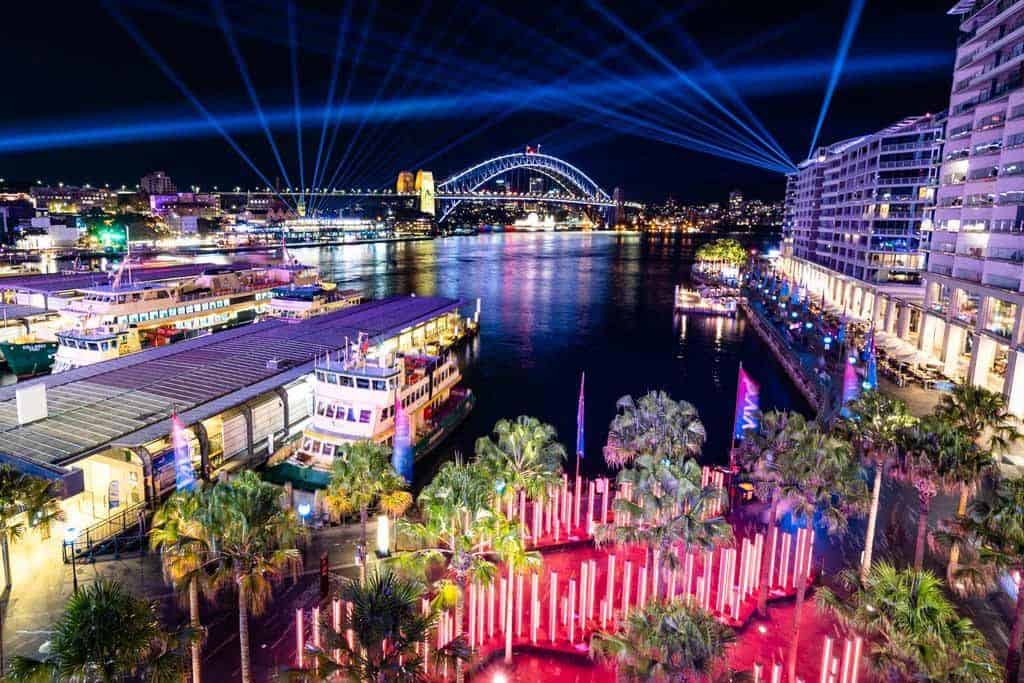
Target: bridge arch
<point>562,172</point>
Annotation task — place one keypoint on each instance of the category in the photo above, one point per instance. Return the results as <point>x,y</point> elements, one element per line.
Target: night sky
<point>447,83</point>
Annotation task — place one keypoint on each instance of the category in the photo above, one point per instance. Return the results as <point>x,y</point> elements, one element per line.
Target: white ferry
<point>362,395</point>
<point>112,320</point>
<point>300,302</point>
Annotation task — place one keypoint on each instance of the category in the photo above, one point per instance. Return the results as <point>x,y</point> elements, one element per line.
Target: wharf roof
<point>127,401</point>
<point>53,283</point>
<point>15,311</point>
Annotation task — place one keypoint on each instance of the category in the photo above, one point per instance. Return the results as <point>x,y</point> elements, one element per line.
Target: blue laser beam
<point>756,79</point>
<point>225,26</point>
<point>691,46</point>
<point>849,29</point>
<point>335,68</point>
<point>169,73</point>
<point>644,45</point>
<point>293,57</point>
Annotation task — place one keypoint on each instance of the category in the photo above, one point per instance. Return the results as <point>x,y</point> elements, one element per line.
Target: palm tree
<point>979,411</point>
<point>255,540</point>
<point>668,506</point>
<point>361,477</point>
<point>936,455</point>
<point>991,536</point>
<point>776,435</point>
<point>453,536</point>
<point>106,634</point>
<point>665,642</point>
<point>874,425</point>
<point>912,629</point>
<point>25,502</point>
<point>655,423</point>
<point>387,630</point>
<point>185,544</point>
<point>523,456</point>
<point>819,481</point>
<point>983,413</point>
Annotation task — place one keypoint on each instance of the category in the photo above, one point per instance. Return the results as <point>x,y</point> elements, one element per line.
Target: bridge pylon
<point>425,187</point>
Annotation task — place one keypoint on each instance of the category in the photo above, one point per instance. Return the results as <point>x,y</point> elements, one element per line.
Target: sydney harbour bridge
<point>570,186</point>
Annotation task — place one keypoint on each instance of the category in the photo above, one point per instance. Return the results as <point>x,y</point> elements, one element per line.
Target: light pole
<point>70,535</point>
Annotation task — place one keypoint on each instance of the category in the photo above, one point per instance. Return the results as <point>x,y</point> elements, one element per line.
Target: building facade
<point>856,214</point>
<point>972,321</point>
<point>157,182</point>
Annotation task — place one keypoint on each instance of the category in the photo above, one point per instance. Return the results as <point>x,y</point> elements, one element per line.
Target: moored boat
<point>409,401</point>
<point>29,355</point>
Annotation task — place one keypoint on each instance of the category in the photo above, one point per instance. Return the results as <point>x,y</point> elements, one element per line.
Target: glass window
<point>364,416</point>
<point>330,410</point>
<point>379,385</point>
<point>332,378</point>
<point>328,449</point>
<point>320,408</point>
<point>362,383</point>
<point>1001,317</point>
<point>351,415</point>
<point>345,380</point>
<point>320,376</point>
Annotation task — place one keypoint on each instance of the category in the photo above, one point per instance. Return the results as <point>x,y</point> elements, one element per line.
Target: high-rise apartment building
<point>856,211</point>
<point>971,320</point>
<point>157,182</point>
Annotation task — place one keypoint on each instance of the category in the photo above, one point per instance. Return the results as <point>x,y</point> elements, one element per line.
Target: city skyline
<point>781,80</point>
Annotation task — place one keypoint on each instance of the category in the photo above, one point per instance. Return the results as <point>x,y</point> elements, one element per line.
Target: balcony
<point>1012,284</point>
<point>968,275</point>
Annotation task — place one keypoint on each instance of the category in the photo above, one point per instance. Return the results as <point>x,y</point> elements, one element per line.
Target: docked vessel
<point>27,341</point>
<point>112,320</point>
<point>718,301</point>
<point>365,394</point>
<point>29,354</point>
<point>299,302</point>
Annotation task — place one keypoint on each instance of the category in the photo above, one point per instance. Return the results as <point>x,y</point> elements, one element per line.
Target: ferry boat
<point>299,302</point>
<point>362,395</point>
<point>113,320</point>
<point>717,301</point>
<point>29,354</point>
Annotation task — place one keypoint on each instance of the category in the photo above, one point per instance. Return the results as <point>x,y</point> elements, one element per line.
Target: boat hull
<point>313,479</point>
<point>29,358</point>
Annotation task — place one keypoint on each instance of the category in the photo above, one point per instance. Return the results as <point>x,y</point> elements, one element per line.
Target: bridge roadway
<point>126,403</point>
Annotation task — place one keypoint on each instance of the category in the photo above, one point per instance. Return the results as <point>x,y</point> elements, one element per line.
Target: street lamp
<point>70,534</point>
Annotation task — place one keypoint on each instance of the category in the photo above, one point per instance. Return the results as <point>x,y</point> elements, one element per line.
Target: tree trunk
<point>762,597</point>
<point>362,545</point>
<point>243,632</point>
<point>924,507</point>
<point>869,538</point>
<point>1013,647</point>
<point>954,552</point>
<point>193,613</point>
<point>794,642</point>
<point>460,674</point>
<point>6,551</point>
<point>508,617</point>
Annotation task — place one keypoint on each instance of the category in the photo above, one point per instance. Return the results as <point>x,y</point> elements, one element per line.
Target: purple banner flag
<point>748,404</point>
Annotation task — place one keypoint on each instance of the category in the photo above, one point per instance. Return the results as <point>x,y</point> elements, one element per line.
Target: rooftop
<point>53,283</point>
<point>128,401</point>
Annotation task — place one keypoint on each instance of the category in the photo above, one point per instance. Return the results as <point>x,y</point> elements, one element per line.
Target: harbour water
<point>555,305</point>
